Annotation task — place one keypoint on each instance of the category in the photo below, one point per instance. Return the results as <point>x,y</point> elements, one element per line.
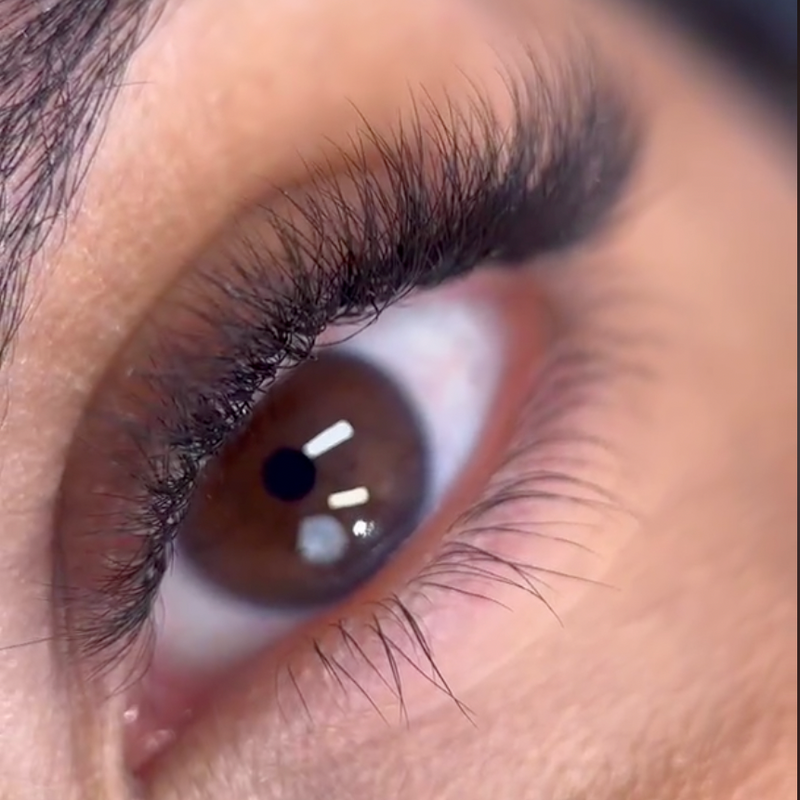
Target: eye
<point>340,463</point>
<point>364,451</point>
<point>257,466</point>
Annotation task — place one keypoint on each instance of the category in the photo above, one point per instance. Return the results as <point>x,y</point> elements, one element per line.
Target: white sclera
<point>446,356</point>
<point>201,629</point>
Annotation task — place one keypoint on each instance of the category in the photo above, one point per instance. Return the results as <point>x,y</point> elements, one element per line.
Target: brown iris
<point>326,481</point>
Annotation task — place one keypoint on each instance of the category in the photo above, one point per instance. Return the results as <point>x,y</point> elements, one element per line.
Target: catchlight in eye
<point>326,480</point>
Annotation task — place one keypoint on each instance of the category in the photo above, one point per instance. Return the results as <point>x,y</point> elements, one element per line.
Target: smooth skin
<point>677,684</point>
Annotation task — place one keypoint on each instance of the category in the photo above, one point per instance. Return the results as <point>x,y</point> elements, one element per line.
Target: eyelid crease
<point>457,189</point>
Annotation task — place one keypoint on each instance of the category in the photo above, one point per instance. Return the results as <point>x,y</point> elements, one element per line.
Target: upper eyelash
<point>188,403</point>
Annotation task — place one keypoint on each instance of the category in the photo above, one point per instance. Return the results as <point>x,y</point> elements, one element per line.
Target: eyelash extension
<point>455,189</point>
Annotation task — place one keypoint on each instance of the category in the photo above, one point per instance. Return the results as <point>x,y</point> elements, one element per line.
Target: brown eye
<point>326,480</point>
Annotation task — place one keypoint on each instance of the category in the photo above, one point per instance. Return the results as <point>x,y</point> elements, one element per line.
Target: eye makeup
<point>451,191</point>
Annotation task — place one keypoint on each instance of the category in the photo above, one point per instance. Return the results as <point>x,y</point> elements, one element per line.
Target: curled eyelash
<point>454,189</point>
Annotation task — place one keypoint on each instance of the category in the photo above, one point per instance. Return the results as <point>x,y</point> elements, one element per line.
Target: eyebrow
<point>60,68</point>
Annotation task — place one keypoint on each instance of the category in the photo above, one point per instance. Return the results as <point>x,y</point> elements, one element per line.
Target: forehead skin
<point>682,684</point>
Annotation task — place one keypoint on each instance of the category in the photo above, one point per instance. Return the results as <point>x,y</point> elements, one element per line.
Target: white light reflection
<point>363,529</point>
<point>321,539</point>
<point>331,437</point>
<point>349,498</point>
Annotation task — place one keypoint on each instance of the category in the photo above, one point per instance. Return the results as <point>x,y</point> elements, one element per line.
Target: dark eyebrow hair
<point>60,67</point>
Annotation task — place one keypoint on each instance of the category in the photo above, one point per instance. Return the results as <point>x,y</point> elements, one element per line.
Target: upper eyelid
<point>458,187</point>
<point>545,181</point>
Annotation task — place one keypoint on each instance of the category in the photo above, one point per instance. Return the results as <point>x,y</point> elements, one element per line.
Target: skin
<point>680,682</point>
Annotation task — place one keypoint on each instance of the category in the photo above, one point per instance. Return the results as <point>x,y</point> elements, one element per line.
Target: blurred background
<point>758,37</point>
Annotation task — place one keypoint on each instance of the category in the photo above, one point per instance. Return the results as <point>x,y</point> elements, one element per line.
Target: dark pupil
<point>288,474</point>
<point>325,483</point>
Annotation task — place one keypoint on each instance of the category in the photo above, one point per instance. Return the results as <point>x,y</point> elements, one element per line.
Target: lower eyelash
<point>389,637</point>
